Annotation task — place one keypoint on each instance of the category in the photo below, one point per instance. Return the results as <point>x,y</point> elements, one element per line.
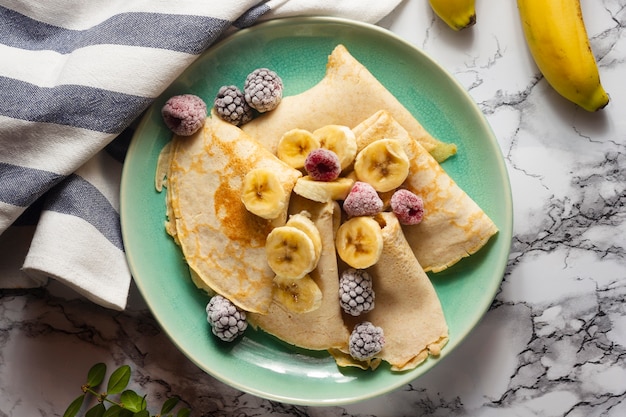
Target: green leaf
<point>96,411</point>
<point>133,401</point>
<point>95,376</point>
<point>74,406</point>
<point>126,413</point>
<point>142,413</point>
<point>117,411</point>
<point>184,412</point>
<point>112,411</point>
<point>119,380</point>
<point>169,405</point>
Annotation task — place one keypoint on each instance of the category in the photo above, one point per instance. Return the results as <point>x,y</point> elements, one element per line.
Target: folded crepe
<point>222,242</point>
<point>346,95</point>
<point>406,306</point>
<point>454,226</point>
<point>323,328</point>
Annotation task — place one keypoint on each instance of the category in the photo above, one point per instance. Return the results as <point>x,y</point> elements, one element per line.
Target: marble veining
<point>553,342</point>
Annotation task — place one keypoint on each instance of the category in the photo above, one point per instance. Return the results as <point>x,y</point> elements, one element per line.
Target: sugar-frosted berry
<point>322,165</point>
<point>408,207</point>
<point>226,320</point>
<point>184,114</point>
<point>231,106</point>
<point>263,89</point>
<point>356,294</point>
<point>362,200</point>
<point>366,340</point>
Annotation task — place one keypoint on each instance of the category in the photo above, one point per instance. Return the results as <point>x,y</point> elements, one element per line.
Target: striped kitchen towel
<point>74,75</point>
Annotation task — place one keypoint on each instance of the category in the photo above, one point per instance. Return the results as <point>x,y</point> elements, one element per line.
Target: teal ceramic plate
<point>297,49</point>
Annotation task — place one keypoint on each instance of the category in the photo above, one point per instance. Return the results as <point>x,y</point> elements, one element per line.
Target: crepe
<point>222,242</point>
<point>323,328</point>
<point>347,95</point>
<point>406,306</point>
<point>454,226</point>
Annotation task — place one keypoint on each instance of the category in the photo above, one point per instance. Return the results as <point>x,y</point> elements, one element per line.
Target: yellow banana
<point>557,39</point>
<point>458,14</point>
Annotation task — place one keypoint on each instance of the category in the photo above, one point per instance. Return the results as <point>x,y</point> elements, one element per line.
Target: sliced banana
<point>297,295</point>
<point>339,139</point>
<point>263,194</point>
<point>359,242</point>
<point>303,222</point>
<point>294,146</point>
<point>290,252</point>
<point>383,164</point>
<point>323,191</point>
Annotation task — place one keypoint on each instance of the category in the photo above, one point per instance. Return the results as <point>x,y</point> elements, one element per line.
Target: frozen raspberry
<point>226,320</point>
<point>184,114</point>
<point>408,207</point>
<point>322,165</point>
<point>366,341</point>
<point>356,294</point>
<point>263,89</point>
<point>362,200</point>
<point>231,106</point>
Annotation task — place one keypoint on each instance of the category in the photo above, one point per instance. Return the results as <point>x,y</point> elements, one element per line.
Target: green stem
<point>102,397</point>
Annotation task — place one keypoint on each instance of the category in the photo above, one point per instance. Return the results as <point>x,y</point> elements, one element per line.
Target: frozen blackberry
<point>231,105</point>
<point>322,165</point>
<point>356,294</point>
<point>263,90</point>
<point>363,200</point>
<point>184,114</point>
<point>407,206</point>
<point>226,320</point>
<point>366,340</point>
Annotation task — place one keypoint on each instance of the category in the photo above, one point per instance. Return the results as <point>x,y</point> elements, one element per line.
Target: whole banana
<point>458,14</point>
<point>557,39</point>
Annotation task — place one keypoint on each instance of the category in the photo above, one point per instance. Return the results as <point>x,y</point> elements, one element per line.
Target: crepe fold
<point>454,226</point>
<point>347,95</point>
<point>323,328</point>
<point>406,306</point>
<point>222,242</point>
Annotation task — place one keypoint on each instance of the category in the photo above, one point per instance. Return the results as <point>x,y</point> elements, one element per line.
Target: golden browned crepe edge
<point>160,182</point>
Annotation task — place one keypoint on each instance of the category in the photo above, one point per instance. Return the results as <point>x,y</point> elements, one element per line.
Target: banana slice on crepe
<point>454,226</point>
<point>407,307</point>
<point>359,242</point>
<point>339,139</point>
<point>263,194</point>
<point>322,328</point>
<point>222,241</point>
<point>323,191</point>
<point>294,146</point>
<point>347,95</point>
<point>301,295</point>
<point>383,164</point>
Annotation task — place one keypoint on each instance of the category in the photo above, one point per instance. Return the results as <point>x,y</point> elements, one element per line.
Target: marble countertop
<point>553,342</point>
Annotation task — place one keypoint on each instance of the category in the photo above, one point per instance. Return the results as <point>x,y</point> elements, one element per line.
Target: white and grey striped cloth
<point>74,75</point>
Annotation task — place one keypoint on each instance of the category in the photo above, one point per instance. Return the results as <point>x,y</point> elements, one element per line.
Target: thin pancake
<point>406,306</point>
<point>222,242</point>
<point>454,226</point>
<point>323,328</point>
<point>346,95</point>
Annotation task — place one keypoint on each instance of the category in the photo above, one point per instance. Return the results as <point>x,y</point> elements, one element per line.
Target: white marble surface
<point>553,342</point>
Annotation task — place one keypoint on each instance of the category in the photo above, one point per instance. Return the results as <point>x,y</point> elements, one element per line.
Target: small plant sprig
<point>127,404</point>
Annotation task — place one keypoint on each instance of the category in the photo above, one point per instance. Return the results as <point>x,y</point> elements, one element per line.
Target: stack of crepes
<point>224,244</point>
